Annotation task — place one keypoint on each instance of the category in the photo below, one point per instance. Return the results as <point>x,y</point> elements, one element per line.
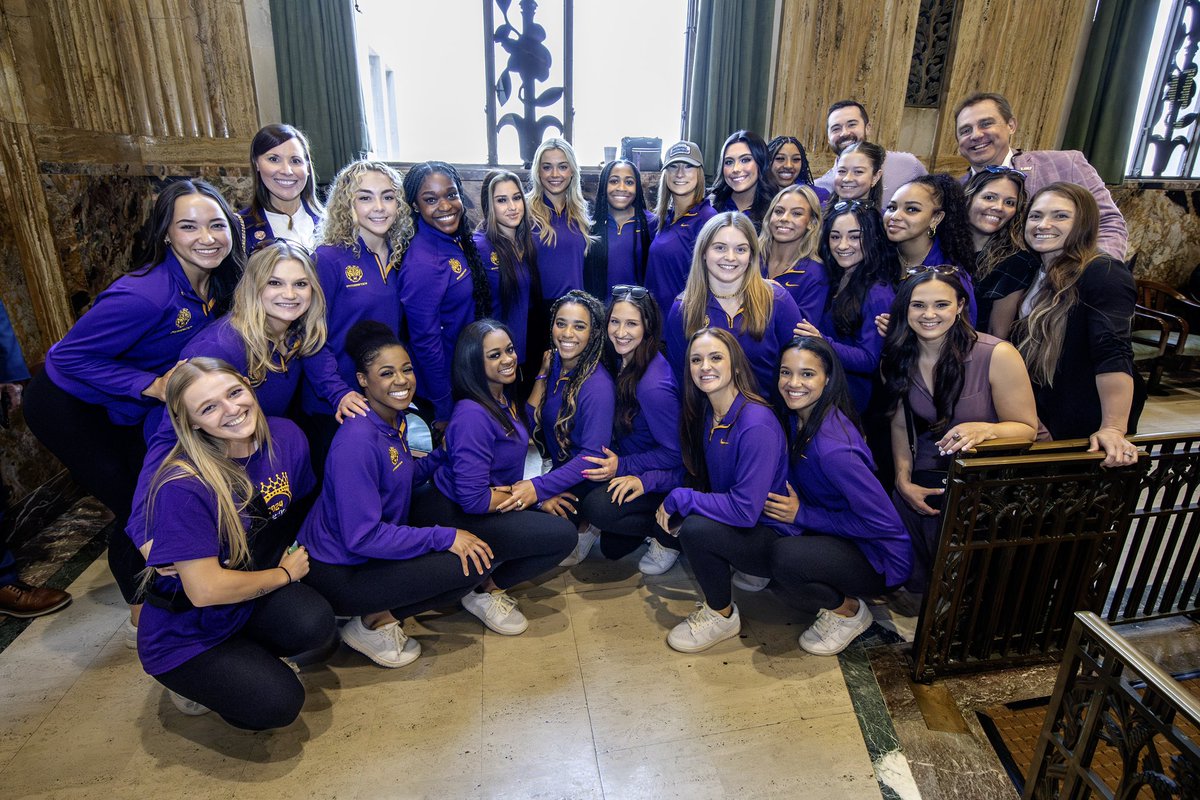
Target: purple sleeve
<point>321,374</point>
<point>785,315</point>
<point>158,446</point>
<point>422,289</point>
<point>661,406</point>
<point>592,433</point>
<point>661,480</point>
<point>113,325</point>
<point>867,510</point>
<point>364,532</point>
<point>469,444</point>
<point>862,355</point>
<point>184,523</point>
<point>676,344</point>
<point>741,506</point>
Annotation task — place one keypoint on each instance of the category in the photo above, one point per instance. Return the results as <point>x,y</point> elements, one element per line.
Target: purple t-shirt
<point>438,297</point>
<point>184,526</point>
<point>133,333</point>
<point>362,512</point>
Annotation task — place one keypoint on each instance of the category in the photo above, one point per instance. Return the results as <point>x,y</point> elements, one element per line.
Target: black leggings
<point>811,571</point>
<point>525,544</point>
<point>102,457</point>
<point>623,527</point>
<point>242,678</point>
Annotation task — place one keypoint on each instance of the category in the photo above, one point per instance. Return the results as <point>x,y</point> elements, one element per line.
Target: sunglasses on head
<point>293,243</point>
<point>850,205</point>
<point>626,290</point>
<point>1010,172</point>
<point>921,269</point>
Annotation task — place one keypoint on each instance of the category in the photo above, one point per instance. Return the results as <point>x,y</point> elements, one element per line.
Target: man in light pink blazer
<point>984,125</point>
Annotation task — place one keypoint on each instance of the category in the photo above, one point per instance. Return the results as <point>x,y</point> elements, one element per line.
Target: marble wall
<point>1164,230</point>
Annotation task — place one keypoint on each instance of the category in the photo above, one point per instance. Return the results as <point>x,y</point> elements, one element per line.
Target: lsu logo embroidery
<point>495,260</point>
<point>353,273</point>
<point>276,492</point>
<point>260,235</point>
<point>394,455</point>
<point>182,318</point>
<point>456,267</point>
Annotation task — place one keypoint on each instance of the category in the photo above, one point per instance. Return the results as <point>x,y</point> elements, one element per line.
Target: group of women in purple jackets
<point>242,399</point>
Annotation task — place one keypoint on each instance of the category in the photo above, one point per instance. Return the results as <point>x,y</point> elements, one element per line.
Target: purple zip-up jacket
<point>591,433</point>
<point>861,352</point>
<point>517,317</point>
<point>221,340</point>
<point>185,528</point>
<point>762,353</point>
<point>671,253</point>
<point>133,333</point>
<point>840,496</point>
<point>363,508</point>
<point>356,287</point>
<point>808,285</point>
<point>438,297</point>
<point>624,242</point>
<point>651,449</point>
<point>560,266</point>
<point>479,454</point>
<point>746,458</point>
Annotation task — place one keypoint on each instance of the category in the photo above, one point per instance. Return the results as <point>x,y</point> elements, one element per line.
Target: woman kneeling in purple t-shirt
<point>215,624</point>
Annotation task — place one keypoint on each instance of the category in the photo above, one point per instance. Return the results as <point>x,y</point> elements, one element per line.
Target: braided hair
<point>589,359</point>
<point>481,290</point>
<point>776,144</point>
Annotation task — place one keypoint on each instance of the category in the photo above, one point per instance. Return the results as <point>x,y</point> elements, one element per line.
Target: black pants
<point>525,544</point>
<point>102,457</point>
<point>623,527</point>
<point>242,678</point>
<point>810,571</point>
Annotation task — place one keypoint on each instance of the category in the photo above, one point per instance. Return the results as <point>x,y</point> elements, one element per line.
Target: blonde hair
<point>576,209</point>
<point>758,299</point>
<point>304,337</point>
<point>337,228</point>
<point>811,239</point>
<point>200,455</point>
<point>666,201</point>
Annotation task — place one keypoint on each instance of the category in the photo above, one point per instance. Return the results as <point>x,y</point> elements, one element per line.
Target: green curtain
<point>731,73</point>
<point>1102,112</point>
<point>319,91</point>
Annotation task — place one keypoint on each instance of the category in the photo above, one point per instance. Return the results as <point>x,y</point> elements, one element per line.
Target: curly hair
<point>339,226</point>
<point>589,359</point>
<point>1010,239</point>
<point>776,144</point>
<point>305,336</point>
<point>954,231</point>
<point>481,290</point>
<point>901,350</point>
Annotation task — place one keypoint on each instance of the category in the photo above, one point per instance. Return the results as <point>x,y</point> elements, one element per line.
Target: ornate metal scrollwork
<point>931,53</point>
<point>1169,125</point>
<point>528,64</point>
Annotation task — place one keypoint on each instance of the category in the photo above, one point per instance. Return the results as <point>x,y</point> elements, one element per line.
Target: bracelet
<point>540,378</point>
<point>285,572</point>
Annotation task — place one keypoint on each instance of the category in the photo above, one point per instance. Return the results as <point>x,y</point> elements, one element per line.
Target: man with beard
<point>846,123</point>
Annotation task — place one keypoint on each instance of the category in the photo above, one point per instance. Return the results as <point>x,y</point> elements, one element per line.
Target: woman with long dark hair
<point>1004,267</point>
<point>482,456</point>
<point>745,182</point>
<point>1074,327</point>
<point>284,204</point>
<point>858,267</point>
<point>572,411</point>
<point>948,388</point>
<point>733,446</point>
<point>644,462</point>
<point>506,248</point>
<point>89,405</point>
<point>221,610</point>
<point>848,542</point>
<point>443,287</point>
<point>622,230</point>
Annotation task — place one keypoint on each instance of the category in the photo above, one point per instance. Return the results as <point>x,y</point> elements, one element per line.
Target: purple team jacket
<point>560,266</point>
<point>591,433</point>
<point>808,285</point>
<point>517,317</point>
<point>362,511</point>
<point>671,253</point>
<point>860,353</point>
<point>479,454</point>
<point>651,449</point>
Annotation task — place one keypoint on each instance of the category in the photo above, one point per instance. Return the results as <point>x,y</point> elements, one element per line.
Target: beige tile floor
<point>589,703</point>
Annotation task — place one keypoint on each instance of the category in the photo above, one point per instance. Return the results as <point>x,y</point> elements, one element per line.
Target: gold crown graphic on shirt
<point>276,487</point>
<point>456,266</point>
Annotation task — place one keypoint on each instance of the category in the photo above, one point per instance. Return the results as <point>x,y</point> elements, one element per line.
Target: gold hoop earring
<point>932,231</point>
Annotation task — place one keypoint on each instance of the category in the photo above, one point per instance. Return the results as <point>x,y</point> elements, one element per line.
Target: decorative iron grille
<point>1167,145</point>
<point>931,53</point>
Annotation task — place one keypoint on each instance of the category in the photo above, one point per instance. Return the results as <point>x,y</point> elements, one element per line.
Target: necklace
<point>726,296</point>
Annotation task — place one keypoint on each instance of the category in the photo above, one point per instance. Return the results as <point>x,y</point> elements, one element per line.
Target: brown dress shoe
<point>22,600</point>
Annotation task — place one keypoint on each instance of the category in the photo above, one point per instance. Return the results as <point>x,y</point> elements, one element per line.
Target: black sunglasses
<point>636,292</point>
<point>850,205</point>
<point>1000,169</point>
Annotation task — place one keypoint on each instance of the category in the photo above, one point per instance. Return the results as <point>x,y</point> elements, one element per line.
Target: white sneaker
<point>657,559</point>
<point>833,633</point>
<point>497,610</point>
<point>189,707</point>
<point>387,646</point>
<point>586,539</point>
<point>749,583</point>
<point>129,631</point>
<point>703,628</point>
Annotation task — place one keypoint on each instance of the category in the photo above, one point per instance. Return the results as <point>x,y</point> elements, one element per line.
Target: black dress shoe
<point>24,601</point>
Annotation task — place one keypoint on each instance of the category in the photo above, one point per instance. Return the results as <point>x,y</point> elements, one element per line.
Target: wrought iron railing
<point>1108,695</point>
<point>1168,145</point>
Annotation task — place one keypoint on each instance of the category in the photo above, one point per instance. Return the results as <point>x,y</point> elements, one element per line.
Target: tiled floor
<point>589,703</point>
